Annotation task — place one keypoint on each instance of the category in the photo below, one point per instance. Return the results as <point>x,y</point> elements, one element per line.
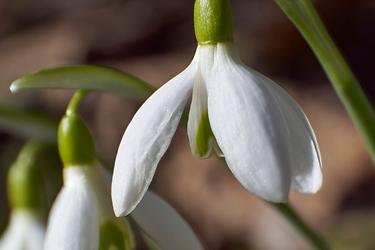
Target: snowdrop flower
<point>236,112</point>
<point>24,232</point>
<point>82,217</point>
<point>26,228</point>
<point>83,206</point>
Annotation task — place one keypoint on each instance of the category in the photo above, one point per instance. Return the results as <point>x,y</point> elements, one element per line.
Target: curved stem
<point>314,239</point>
<point>304,16</point>
<point>74,103</point>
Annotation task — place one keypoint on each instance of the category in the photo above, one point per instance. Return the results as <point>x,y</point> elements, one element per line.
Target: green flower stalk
<point>304,16</point>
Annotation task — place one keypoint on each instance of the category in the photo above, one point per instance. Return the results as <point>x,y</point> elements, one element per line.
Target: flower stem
<point>305,17</point>
<point>75,142</point>
<point>314,239</point>
<point>74,103</point>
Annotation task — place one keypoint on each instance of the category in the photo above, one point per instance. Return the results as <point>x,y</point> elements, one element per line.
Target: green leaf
<point>89,77</point>
<point>28,124</point>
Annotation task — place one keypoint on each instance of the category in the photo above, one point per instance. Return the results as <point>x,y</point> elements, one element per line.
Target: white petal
<point>164,225</point>
<point>305,156</point>
<point>99,180</point>
<point>35,234</point>
<point>146,139</point>
<point>73,222</point>
<point>249,127</point>
<point>25,232</point>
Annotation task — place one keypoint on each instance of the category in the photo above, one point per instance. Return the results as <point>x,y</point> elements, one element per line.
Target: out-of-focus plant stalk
<point>305,17</point>
<point>314,239</point>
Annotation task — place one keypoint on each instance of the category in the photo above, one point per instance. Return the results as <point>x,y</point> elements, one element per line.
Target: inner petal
<point>202,140</point>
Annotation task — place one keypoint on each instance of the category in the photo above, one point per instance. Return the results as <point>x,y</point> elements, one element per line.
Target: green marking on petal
<point>202,144</point>
<point>113,237</point>
<point>205,140</point>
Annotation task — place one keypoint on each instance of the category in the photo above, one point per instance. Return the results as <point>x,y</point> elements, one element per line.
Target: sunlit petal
<point>146,139</point>
<point>305,156</point>
<point>249,127</point>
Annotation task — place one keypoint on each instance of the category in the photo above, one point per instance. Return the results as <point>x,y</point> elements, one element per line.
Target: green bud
<point>76,146</point>
<point>25,180</point>
<point>213,21</point>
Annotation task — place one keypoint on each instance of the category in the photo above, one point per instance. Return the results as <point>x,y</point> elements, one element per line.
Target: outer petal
<point>249,127</point>
<point>305,156</point>
<point>25,232</point>
<point>164,225</point>
<point>73,223</point>
<point>35,234</point>
<point>146,139</point>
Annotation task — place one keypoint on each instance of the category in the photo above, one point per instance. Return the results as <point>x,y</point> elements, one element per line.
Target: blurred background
<point>154,40</point>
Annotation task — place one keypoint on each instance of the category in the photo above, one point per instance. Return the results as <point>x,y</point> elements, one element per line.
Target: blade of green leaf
<point>89,77</point>
<point>28,124</point>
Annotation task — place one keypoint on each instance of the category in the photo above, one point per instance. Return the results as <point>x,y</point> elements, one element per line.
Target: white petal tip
<point>277,198</point>
<point>120,213</point>
<point>119,207</point>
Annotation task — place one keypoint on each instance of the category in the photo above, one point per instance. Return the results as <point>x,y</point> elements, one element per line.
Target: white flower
<point>265,137</point>
<point>82,217</point>
<point>25,231</point>
<point>82,213</point>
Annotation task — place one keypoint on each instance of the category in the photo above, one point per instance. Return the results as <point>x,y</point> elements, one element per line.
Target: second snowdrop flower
<point>82,216</point>
<point>236,112</point>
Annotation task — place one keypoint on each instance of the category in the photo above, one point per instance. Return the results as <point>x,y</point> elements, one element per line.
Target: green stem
<point>304,16</point>
<point>314,239</point>
<point>76,100</point>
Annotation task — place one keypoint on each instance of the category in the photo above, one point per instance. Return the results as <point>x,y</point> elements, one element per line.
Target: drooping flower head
<point>26,228</point>
<point>82,216</point>
<point>235,112</point>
